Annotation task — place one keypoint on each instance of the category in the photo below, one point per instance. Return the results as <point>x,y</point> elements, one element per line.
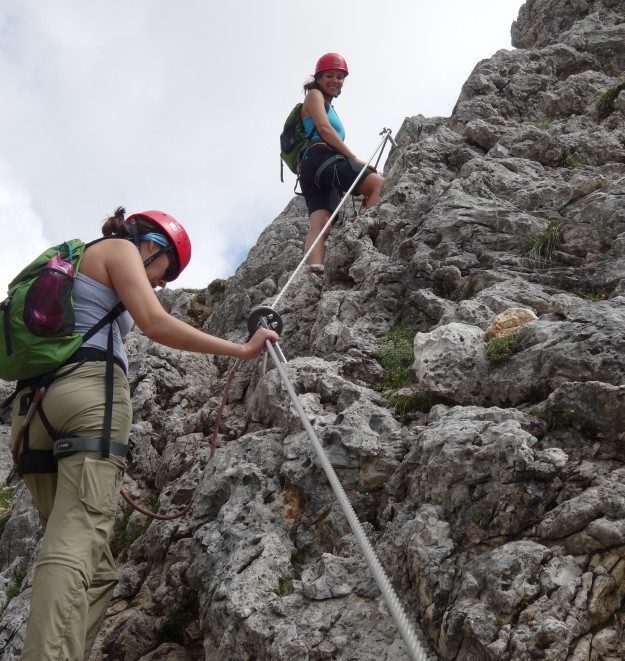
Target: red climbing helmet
<point>331,61</point>
<point>174,231</point>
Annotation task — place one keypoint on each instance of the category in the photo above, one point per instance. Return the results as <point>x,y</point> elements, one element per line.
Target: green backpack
<point>293,139</point>
<point>37,318</point>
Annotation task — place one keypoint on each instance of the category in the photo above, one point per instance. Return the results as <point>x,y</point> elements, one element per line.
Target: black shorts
<point>325,191</point>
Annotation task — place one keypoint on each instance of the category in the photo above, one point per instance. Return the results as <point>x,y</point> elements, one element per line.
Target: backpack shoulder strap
<point>314,128</point>
<point>106,319</point>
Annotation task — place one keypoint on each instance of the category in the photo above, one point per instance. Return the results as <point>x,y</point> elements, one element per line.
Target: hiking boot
<point>317,269</point>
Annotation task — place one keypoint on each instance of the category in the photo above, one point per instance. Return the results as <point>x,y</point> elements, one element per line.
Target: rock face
<point>496,504</point>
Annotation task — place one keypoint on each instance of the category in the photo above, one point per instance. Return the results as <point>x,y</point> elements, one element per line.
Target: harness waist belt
<point>326,164</point>
<point>92,354</point>
<point>64,447</point>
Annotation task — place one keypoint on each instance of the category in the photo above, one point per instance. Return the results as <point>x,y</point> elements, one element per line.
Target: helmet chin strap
<point>156,255</point>
<point>136,239</point>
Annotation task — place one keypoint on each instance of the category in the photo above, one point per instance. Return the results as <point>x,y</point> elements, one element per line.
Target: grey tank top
<point>92,301</point>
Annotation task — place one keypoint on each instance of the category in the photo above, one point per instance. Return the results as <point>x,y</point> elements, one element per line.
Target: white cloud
<point>178,105</point>
<point>20,227</point>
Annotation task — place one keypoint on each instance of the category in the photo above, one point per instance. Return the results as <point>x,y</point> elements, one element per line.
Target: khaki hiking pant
<point>75,573</point>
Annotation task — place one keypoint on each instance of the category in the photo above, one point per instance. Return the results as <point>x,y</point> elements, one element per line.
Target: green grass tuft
<point>217,290</point>
<point>574,161</point>
<point>605,104</point>
<point>405,405</point>
<point>543,124</point>
<point>283,586</point>
<point>503,347</point>
<point>542,245</point>
<point>122,537</point>
<point>20,574</point>
<point>6,494</point>
<point>554,418</point>
<point>396,356</point>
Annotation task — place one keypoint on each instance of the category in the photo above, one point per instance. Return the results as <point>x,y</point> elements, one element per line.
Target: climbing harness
<point>325,165</point>
<point>387,137</point>
<point>44,461</point>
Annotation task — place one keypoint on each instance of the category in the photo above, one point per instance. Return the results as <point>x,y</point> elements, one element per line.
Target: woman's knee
<point>318,220</point>
<point>372,185</point>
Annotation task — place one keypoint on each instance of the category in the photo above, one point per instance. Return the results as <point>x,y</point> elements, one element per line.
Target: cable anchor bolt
<point>263,315</point>
<point>387,134</point>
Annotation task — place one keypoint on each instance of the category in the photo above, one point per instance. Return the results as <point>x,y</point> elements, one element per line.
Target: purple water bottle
<point>48,301</point>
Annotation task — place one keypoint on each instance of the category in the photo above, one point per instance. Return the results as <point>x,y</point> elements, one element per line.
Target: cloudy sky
<point>178,105</point>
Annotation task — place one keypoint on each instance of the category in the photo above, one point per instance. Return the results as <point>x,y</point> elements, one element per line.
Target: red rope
<point>187,507</point>
<point>155,515</point>
<point>220,411</point>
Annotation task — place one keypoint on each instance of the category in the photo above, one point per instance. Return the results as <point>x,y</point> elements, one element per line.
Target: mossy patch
<point>574,161</point>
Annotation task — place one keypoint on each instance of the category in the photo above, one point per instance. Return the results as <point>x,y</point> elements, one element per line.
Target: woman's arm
<point>119,262</point>
<point>314,106</point>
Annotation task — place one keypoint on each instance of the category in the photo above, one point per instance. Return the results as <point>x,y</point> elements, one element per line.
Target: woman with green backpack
<point>328,167</point>
<point>73,476</point>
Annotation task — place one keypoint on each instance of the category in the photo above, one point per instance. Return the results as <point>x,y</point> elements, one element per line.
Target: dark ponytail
<point>311,84</point>
<point>116,225</point>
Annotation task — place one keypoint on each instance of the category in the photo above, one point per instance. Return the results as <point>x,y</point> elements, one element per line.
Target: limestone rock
<point>509,321</point>
<point>496,505</point>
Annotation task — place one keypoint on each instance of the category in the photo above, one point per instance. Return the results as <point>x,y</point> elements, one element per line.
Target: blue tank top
<point>335,123</point>
<point>92,301</point>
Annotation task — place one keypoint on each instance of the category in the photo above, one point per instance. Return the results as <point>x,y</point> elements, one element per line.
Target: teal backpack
<point>37,318</point>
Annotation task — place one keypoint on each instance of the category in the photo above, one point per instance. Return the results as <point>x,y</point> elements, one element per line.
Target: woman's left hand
<point>256,344</point>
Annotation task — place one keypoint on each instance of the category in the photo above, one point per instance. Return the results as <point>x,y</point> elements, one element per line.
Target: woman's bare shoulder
<point>100,255</point>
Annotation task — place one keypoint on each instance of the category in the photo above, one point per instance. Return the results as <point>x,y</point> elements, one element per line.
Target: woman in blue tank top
<point>328,167</point>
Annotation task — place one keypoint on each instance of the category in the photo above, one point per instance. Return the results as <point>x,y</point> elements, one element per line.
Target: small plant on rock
<point>396,356</point>
<point>283,586</point>
<point>543,124</point>
<point>543,244</point>
<point>503,347</point>
<point>123,537</point>
<point>554,418</point>
<point>594,297</point>
<point>405,405</point>
<point>6,494</point>
<point>15,589</point>
<point>178,618</point>
<point>605,104</point>
<point>217,290</point>
<point>574,161</point>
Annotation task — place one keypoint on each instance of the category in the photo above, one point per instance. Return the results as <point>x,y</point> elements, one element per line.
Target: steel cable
<point>398,614</point>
